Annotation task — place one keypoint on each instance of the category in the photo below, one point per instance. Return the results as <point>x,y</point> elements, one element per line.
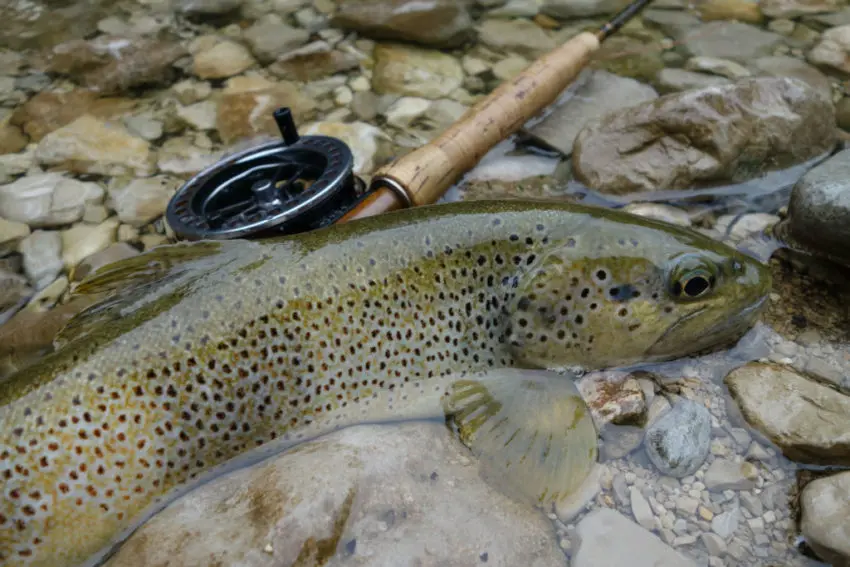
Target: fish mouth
<point>709,337</point>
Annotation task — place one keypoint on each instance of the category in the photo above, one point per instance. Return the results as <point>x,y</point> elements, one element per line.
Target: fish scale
<point>227,347</point>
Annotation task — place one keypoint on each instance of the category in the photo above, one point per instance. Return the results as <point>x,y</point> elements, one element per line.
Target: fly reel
<point>296,184</point>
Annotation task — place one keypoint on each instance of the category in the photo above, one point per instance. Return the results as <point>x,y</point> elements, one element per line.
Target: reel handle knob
<point>286,124</point>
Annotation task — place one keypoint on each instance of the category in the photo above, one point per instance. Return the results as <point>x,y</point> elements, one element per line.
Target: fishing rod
<point>301,183</point>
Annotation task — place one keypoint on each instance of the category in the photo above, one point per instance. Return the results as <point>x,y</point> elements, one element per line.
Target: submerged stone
<point>605,538</point>
<point>414,71</point>
<point>678,442</point>
<point>367,494</point>
<point>726,133</point>
<point>818,217</point>
<point>439,23</point>
<point>597,93</point>
<point>825,507</point>
<point>806,419</point>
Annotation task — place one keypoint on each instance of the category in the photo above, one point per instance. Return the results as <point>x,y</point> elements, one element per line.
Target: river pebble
<point>628,150</point>
<point>678,441</point>
<point>819,209</point>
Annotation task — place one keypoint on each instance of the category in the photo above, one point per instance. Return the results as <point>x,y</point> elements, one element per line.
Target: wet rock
<point>48,111</point>
<point>723,474</point>
<point>565,9</point>
<point>405,110</point>
<point>715,66</point>
<point>142,200</point>
<point>806,419</point>
<point>12,140</point>
<point>191,91</point>
<point>28,336</point>
<point>818,218</point>
<point>593,544</point>
<point>439,23</point>
<point>247,113</point>
<point>825,523</point>
<point>363,139</point>
<point>839,18</point>
<point>15,164</point>
<point>613,397</point>
<point>731,40</point>
<point>207,7</point>
<point>597,93</point>
<point>10,234</point>
<point>89,145</point>
<point>81,241</point>
<point>414,71</point>
<point>673,23</point>
<point>726,524</point>
<point>10,62</point>
<point>48,297</point>
<point>14,294</point>
<point>572,505</point>
<point>678,441</point>
<point>724,133</point>
<point>47,199</point>
<point>313,61</point>
<point>740,227</point>
<point>659,211</point>
<point>796,8</point>
<point>112,65</point>
<point>745,11</point>
<point>200,116</point>
<point>222,60</point>
<point>641,510</point>
<point>113,253</point>
<point>833,49</point>
<point>442,114</point>
<point>629,57</point>
<point>180,157</point>
<point>271,37</point>
<point>143,63</point>
<point>509,67</point>
<point>144,125</point>
<point>521,36</point>
<point>42,252</point>
<point>73,57</point>
<point>842,114</point>
<point>674,80</point>
<point>784,66</point>
<point>361,495</point>
<point>45,23</point>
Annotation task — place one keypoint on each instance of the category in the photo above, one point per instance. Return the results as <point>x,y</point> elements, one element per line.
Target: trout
<point>196,354</point>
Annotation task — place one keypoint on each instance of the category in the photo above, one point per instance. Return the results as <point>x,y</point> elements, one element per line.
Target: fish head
<point>638,293</point>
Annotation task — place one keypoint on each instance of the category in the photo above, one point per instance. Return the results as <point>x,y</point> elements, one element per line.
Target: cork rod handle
<point>427,172</point>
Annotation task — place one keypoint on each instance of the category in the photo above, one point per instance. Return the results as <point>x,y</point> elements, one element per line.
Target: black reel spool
<point>298,184</point>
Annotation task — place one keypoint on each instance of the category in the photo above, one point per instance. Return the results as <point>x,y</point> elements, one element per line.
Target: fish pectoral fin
<point>530,429</point>
<point>110,290</point>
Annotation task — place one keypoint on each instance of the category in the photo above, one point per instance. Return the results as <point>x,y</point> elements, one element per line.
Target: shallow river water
<point>728,116</point>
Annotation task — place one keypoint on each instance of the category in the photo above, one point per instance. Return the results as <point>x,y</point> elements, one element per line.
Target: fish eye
<point>692,278</point>
<point>695,285</point>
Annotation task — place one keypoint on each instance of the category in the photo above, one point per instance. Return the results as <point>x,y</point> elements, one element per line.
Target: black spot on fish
<point>622,293</point>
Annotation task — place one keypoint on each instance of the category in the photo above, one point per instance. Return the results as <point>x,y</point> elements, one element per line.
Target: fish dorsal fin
<point>531,430</point>
<point>114,288</point>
